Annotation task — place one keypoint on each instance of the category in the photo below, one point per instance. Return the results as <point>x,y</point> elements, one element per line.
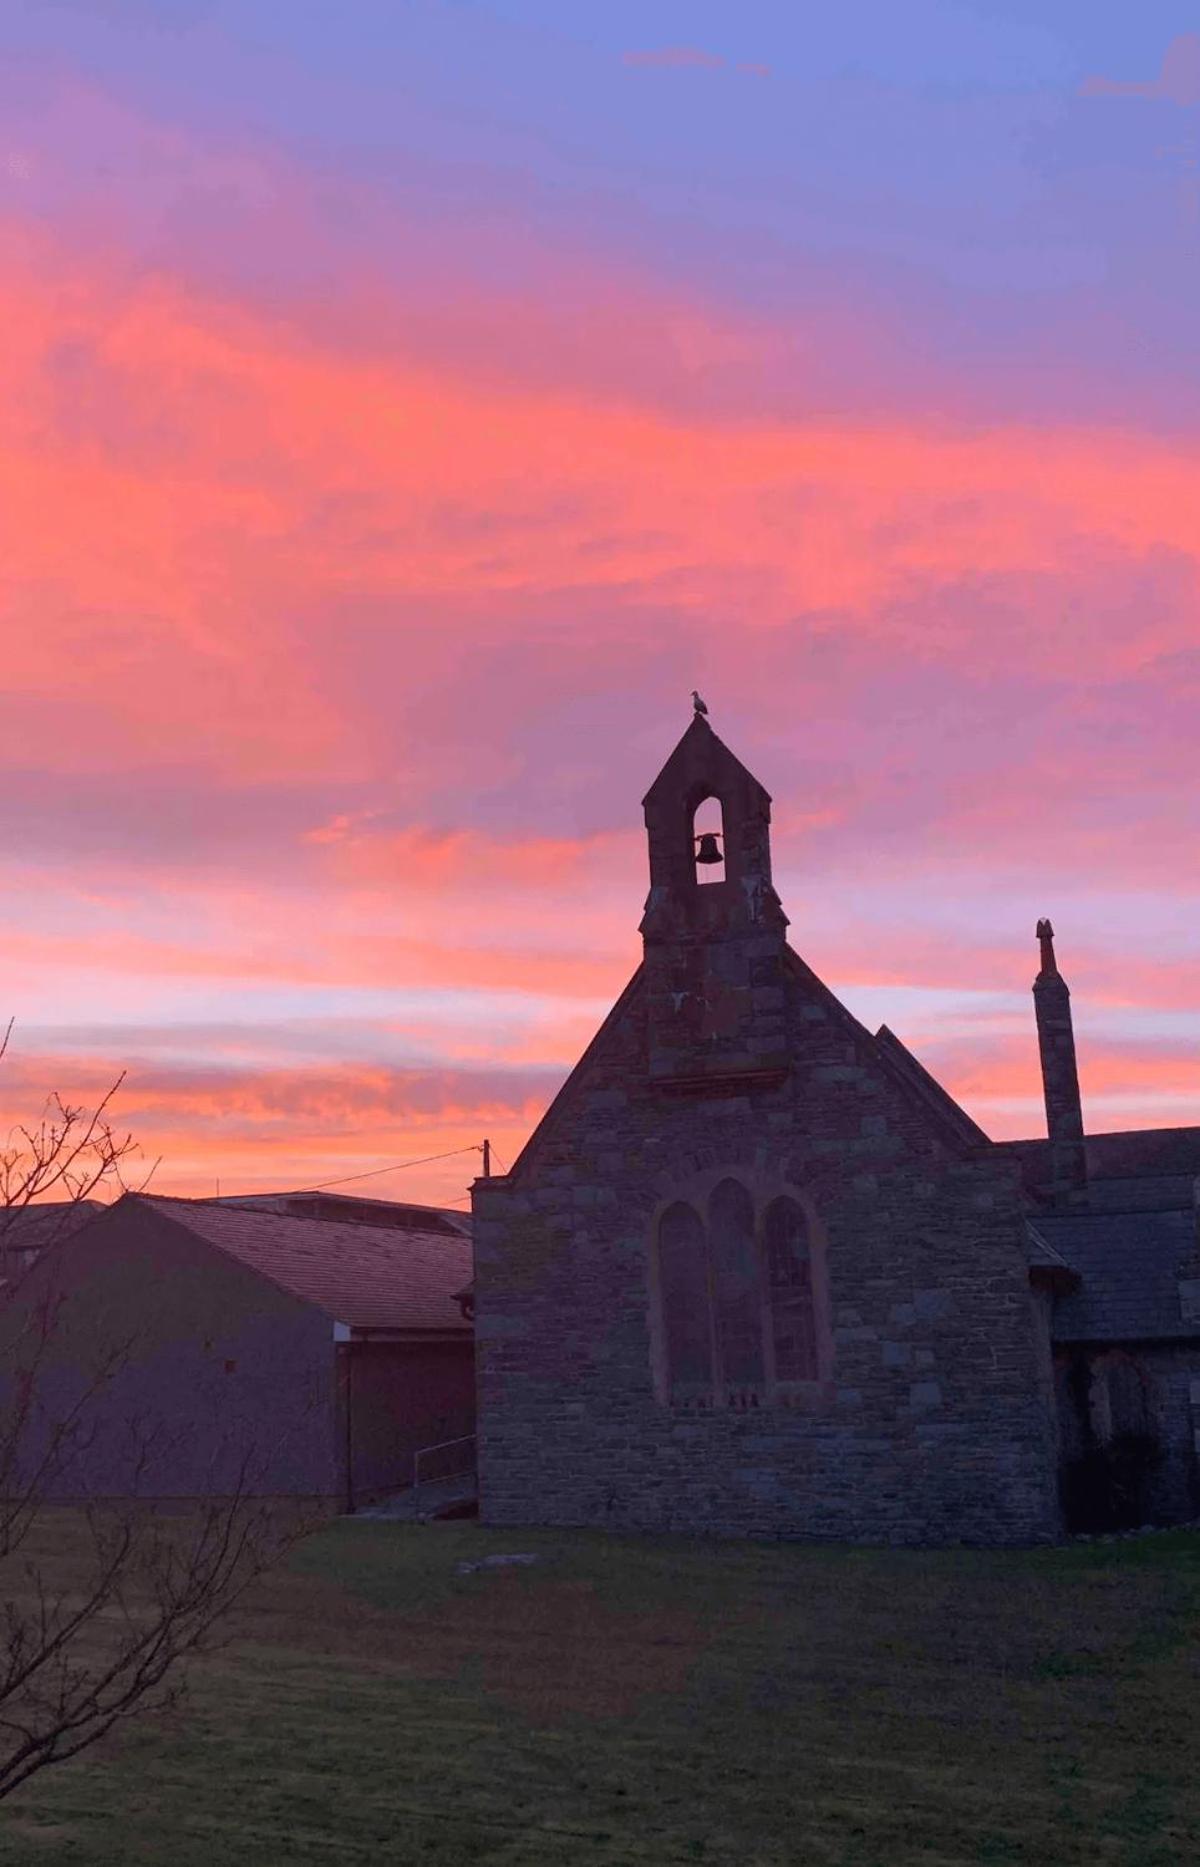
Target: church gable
<point>615,1054</point>
<point>754,1272</point>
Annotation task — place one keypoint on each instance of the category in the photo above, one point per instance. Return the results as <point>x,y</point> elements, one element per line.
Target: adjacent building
<point>298,1344</point>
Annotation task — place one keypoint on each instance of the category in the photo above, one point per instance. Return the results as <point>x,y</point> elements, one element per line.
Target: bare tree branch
<point>78,1660</point>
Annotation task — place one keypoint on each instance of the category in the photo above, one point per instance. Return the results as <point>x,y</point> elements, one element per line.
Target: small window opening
<point>708,841</point>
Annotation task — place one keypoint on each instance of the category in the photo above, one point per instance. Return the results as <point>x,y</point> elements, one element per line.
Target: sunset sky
<point>407,402</point>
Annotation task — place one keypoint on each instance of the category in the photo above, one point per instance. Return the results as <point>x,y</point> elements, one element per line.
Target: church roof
<point>1135,1169</point>
<point>1141,1151</point>
<point>928,1088</point>
<point>898,1060</point>
<point>1129,1265</point>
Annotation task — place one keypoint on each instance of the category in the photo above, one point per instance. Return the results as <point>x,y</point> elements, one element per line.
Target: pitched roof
<point>1136,1169</point>
<point>1129,1265</point>
<point>1137,1151</point>
<point>352,1208</point>
<point>934,1095</point>
<point>34,1228</point>
<point>366,1276</point>
<point>956,1125</point>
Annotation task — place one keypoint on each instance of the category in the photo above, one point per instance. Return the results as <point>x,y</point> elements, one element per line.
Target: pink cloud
<point>988,1074</point>
<point>342,640</point>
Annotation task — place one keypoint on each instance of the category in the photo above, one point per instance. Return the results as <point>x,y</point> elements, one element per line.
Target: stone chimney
<point>1060,1077</point>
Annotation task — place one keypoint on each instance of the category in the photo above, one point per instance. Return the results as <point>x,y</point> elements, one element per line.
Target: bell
<point>708,851</point>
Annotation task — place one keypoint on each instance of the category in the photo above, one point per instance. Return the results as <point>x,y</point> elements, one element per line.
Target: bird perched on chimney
<point>698,705</point>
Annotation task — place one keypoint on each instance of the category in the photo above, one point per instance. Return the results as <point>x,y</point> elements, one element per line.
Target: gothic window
<point>686,1311</point>
<point>737,1295</point>
<point>789,1279</point>
<point>736,1299</point>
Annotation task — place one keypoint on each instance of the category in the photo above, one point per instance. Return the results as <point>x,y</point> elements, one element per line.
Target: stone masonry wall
<point>936,1424</point>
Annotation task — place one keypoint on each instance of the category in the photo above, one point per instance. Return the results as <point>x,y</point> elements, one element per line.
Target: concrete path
<point>431,1499</point>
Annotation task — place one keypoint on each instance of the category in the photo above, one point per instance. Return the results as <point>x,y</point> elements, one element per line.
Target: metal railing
<point>443,1445</point>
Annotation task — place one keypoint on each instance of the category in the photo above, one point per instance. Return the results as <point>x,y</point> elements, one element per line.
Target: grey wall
<point>214,1367</point>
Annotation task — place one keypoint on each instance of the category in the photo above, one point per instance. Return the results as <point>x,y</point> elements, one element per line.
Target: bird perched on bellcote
<point>698,705</point>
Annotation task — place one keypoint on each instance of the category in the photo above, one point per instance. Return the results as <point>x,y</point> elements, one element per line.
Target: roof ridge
<point>367,1276</point>
<point>295,1218</point>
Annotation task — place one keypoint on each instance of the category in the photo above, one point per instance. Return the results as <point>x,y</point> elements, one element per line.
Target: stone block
<point>924,1394</point>
<point>492,1328</point>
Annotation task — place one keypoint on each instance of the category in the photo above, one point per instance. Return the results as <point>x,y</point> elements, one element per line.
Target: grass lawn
<point>660,1701</point>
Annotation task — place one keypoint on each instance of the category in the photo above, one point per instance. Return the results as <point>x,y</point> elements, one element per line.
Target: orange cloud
<point>201,479</point>
<point>295,1127</point>
<point>996,1078</point>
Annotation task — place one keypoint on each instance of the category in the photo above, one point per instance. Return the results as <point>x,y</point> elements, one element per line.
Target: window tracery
<point>789,1280</point>
<point>736,1299</point>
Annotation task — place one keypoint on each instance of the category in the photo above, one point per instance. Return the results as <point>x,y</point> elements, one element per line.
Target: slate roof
<point>1149,1192</point>
<point>1140,1151</point>
<point>366,1276</point>
<point>1129,1265</point>
<point>353,1208</point>
<point>33,1228</point>
<point>1151,1168</point>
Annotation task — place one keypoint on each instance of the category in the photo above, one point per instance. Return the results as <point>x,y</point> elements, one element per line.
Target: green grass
<point>665,1701</point>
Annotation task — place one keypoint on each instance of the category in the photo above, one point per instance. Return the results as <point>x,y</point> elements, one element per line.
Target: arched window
<point>1120,1400</point>
<point>708,840</point>
<point>737,1316</point>
<point>684,1297</point>
<point>789,1281</point>
<point>737,1290</point>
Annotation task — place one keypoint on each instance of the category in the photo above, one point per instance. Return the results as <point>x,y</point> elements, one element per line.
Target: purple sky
<point>407,404</point>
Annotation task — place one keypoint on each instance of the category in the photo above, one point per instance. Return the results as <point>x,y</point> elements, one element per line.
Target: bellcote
<point>708,825</point>
<point>713,929</point>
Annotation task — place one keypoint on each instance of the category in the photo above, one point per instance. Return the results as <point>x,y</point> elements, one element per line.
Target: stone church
<point>757,1273</point>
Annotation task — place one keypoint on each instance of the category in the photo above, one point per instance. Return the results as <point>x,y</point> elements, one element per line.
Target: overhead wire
<point>374,1173</point>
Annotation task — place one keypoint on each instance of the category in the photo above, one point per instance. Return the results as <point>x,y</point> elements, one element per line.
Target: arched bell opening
<point>708,841</point>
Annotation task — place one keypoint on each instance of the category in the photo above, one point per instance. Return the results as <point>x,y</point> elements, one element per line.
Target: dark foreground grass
<point>660,1701</point>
